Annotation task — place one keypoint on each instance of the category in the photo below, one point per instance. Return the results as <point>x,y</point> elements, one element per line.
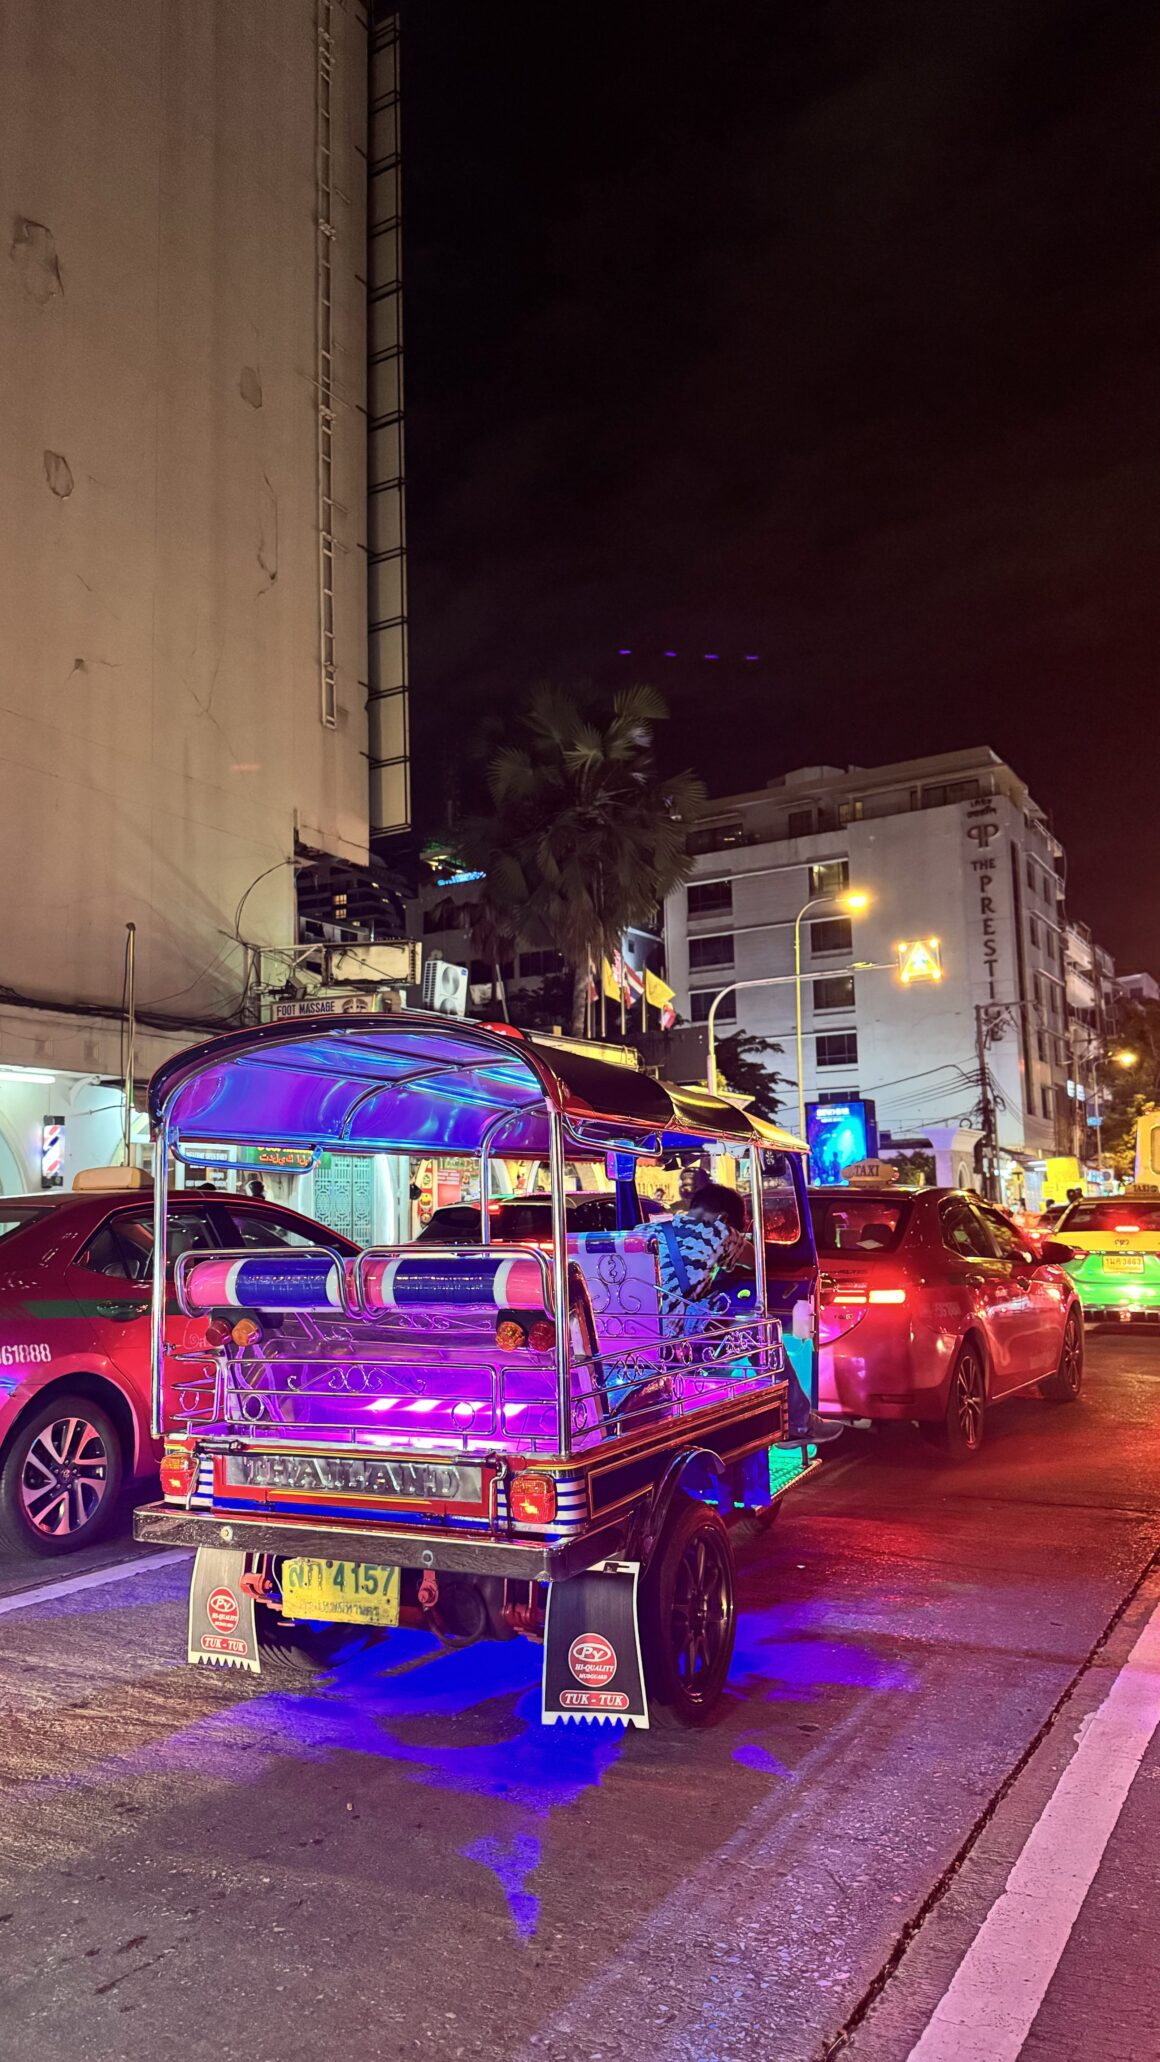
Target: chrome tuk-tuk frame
<point>298,1446</point>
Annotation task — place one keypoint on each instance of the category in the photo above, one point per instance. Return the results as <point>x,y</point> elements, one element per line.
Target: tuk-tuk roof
<point>413,1082</point>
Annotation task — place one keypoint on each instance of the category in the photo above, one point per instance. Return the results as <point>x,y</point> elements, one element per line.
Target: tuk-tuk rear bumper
<point>449,1553</point>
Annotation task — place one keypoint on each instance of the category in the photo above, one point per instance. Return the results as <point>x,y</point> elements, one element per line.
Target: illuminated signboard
<point>919,959</point>
<point>839,1135</point>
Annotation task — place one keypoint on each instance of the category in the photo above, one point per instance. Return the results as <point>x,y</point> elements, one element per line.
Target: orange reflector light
<point>533,1499</point>
<point>216,1332</point>
<point>245,1332</point>
<point>542,1335</point>
<point>176,1472</point>
<point>888,1295</point>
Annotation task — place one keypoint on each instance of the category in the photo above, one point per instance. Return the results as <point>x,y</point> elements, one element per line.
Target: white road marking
<point>117,1571</point>
<point>987,2012</point>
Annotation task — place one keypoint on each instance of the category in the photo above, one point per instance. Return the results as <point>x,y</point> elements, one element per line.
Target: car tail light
<point>888,1295</point>
<point>849,1292</point>
<point>177,1471</point>
<point>533,1498</point>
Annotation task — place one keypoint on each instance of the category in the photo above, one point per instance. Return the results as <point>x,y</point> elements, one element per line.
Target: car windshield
<point>858,1224</point>
<point>524,1217</point>
<point>15,1215</point>
<point>1113,1213</point>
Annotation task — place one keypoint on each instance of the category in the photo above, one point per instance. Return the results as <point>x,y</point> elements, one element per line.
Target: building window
<point>801,823</point>
<point>711,952</point>
<point>850,812</point>
<point>1032,880</point>
<point>1036,935</point>
<point>832,934</point>
<point>1041,1046</point>
<point>836,992</point>
<point>702,1002</point>
<point>1047,1103</point>
<point>939,793</point>
<point>710,898</point>
<point>541,963</point>
<point>716,837</point>
<point>829,877</point>
<point>838,1049</point>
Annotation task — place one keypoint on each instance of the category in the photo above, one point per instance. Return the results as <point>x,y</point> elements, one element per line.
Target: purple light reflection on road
<point>511,1864</point>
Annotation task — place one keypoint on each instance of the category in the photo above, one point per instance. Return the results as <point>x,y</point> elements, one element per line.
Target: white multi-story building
<point>185,434</point>
<point>951,848</point>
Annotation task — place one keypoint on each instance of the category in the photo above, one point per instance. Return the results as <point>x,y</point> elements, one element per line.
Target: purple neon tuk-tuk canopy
<point>426,1085</point>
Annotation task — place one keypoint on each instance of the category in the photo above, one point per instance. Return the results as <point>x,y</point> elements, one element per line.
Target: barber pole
<point>52,1153</point>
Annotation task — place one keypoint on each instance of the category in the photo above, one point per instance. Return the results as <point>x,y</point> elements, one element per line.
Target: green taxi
<point>1116,1242</point>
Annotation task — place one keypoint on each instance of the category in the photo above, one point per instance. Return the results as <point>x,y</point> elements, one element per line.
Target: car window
<point>1122,1214</point>
<point>963,1232</point>
<point>270,1228</point>
<point>1008,1240</point>
<point>849,1223</point>
<point>780,1215</point>
<point>123,1245</point>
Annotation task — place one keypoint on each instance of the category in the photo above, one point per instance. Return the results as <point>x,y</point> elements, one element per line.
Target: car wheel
<point>688,1617</point>
<point>959,1431</point>
<point>1067,1381</point>
<point>61,1477</point>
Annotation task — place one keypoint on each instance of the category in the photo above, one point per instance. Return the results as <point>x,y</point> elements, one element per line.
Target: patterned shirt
<point>701,1243</point>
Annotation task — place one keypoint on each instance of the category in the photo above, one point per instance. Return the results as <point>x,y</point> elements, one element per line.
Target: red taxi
<point>75,1274</point>
<point>933,1306</point>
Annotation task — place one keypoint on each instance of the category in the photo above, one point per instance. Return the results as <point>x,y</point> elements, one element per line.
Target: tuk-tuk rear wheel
<point>688,1616</point>
<point>297,1649</point>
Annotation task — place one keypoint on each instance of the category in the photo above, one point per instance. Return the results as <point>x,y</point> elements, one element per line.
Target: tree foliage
<point>586,835</point>
<point>741,1065</point>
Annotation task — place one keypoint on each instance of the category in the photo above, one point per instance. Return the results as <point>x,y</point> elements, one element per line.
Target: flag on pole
<point>610,977</point>
<point>633,985</point>
<point>659,996</point>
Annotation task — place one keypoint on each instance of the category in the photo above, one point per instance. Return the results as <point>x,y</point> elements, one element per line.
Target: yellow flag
<point>609,980</point>
<point>656,992</point>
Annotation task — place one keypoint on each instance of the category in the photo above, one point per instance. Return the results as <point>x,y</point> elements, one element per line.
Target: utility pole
<point>990,1142</point>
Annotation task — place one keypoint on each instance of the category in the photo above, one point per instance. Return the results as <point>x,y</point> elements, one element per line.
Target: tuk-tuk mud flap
<point>222,1633</point>
<point>592,1662</point>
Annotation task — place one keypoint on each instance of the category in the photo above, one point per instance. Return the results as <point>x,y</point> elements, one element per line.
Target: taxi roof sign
<point>919,959</point>
<point>871,1173</point>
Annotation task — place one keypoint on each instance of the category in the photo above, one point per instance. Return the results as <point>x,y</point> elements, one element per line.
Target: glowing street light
<point>853,899</point>
<point>1126,1058</point>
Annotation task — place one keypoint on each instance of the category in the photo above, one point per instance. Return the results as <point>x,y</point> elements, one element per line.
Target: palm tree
<point>587,837</point>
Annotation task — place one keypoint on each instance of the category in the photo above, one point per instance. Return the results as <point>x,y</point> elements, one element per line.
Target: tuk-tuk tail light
<point>532,1498</point>
<point>178,1467</point>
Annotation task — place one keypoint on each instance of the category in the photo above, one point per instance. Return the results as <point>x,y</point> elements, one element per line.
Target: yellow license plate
<point>353,1592</point>
<point>1123,1263</point>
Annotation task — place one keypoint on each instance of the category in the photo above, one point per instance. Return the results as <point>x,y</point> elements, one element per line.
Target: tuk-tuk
<point>553,1438</point>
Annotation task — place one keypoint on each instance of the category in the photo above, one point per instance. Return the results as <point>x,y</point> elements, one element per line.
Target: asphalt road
<point>408,1864</point>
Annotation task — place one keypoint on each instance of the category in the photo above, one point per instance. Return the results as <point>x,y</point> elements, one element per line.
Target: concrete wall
<point>160,733</point>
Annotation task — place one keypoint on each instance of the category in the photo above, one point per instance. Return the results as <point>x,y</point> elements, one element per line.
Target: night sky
<point>822,330</point>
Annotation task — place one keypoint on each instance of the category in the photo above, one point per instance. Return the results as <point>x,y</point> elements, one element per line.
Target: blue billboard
<point>838,1134</point>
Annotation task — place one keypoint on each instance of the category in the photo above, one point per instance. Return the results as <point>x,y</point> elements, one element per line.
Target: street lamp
<point>1127,1058</point>
<point>853,899</point>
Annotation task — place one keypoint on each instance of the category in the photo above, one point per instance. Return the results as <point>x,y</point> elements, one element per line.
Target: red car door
<point>974,1264</point>
<point>117,1264</point>
<point>1039,1296</point>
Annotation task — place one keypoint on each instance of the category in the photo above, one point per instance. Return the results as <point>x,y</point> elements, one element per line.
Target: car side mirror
<point>1053,1253</point>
